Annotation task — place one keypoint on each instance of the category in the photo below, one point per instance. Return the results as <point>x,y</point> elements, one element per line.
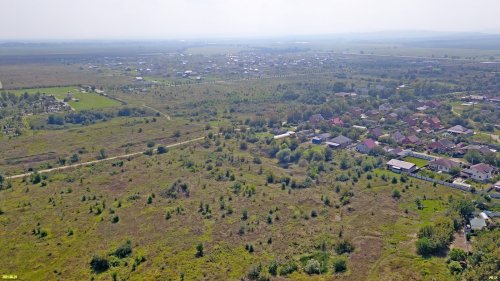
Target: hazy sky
<point>165,19</point>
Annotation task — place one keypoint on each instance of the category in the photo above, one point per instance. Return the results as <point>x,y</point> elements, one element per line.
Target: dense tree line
<point>86,117</point>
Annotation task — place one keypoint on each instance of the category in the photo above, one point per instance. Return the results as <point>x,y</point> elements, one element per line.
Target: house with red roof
<point>336,121</point>
<point>435,123</point>
<point>411,140</point>
<point>366,146</point>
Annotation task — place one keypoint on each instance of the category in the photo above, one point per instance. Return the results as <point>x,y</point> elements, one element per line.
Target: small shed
<point>477,223</point>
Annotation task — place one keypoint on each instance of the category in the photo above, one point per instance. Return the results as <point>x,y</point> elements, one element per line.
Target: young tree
<point>473,156</point>
<point>273,268</point>
<point>455,171</point>
<point>102,154</point>
<point>244,216</point>
<point>424,246</point>
<point>74,158</point>
<point>396,194</point>
<point>199,250</point>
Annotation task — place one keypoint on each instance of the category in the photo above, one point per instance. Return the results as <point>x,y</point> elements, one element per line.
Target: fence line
<point>453,185</point>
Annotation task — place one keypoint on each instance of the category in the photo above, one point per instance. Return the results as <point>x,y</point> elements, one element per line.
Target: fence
<point>453,185</point>
<point>421,155</point>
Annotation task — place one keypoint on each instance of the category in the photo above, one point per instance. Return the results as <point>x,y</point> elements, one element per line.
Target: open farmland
<point>256,161</point>
<point>80,100</point>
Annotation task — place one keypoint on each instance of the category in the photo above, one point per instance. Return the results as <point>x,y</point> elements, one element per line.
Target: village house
<point>399,166</point>
<point>398,137</point>
<point>474,98</point>
<point>336,122</point>
<point>366,146</point>
<point>411,140</point>
<point>339,142</point>
<point>376,132</point>
<point>423,108</point>
<point>480,172</point>
<point>372,113</point>
<point>305,134</point>
<point>435,123</point>
<point>460,130</point>
<point>384,108</point>
<point>356,111</point>
<point>441,146</point>
<point>483,149</point>
<point>433,104</point>
<point>442,165</point>
<point>320,138</point>
<point>345,95</point>
<point>316,118</point>
<point>411,121</point>
<point>285,135</point>
<point>394,152</point>
<point>393,116</point>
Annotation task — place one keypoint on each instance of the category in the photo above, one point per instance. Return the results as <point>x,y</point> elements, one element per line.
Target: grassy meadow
<point>85,100</point>
<point>76,211</point>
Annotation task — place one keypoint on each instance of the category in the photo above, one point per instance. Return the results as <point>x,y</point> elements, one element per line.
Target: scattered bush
<point>99,264</point>
<point>339,265</point>
<point>124,250</point>
<point>343,246</point>
<point>312,267</point>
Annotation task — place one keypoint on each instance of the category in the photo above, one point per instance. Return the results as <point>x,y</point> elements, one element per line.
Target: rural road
<point>156,110</point>
<point>100,160</point>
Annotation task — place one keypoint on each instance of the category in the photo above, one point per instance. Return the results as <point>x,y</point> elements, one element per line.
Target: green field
<point>86,100</point>
<point>417,161</point>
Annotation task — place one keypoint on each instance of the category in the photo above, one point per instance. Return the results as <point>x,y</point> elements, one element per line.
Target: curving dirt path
<point>100,160</point>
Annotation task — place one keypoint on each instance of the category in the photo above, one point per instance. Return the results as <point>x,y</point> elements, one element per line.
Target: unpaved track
<point>100,160</point>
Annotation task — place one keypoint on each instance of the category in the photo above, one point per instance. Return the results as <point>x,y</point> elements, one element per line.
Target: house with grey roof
<point>399,166</point>
<point>460,130</point>
<point>339,142</point>
<point>443,165</point>
<point>480,172</point>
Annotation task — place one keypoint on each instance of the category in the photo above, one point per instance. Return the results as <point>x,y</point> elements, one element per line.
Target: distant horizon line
<point>372,35</point>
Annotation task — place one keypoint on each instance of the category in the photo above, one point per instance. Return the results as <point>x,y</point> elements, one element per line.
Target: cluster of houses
<point>474,99</point>
<point>399,145</point>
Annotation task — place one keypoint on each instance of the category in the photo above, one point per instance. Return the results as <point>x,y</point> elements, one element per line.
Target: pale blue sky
<point>166,19</point>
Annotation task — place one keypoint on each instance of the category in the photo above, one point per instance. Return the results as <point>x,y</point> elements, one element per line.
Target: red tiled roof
<point>370,143</point>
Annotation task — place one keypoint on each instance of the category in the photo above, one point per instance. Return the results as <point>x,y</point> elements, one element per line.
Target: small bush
<point>339,265</point>
<point>288,268</point>
<point>99,264</point>
<point>344,246</point>
<point>161,149</point>
<point>312,267</point>
<point>124,250</point>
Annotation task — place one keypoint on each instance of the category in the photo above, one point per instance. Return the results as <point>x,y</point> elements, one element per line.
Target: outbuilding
<point>399,166</point>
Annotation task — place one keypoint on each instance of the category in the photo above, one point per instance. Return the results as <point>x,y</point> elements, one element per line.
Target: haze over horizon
<point>190,19</point>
